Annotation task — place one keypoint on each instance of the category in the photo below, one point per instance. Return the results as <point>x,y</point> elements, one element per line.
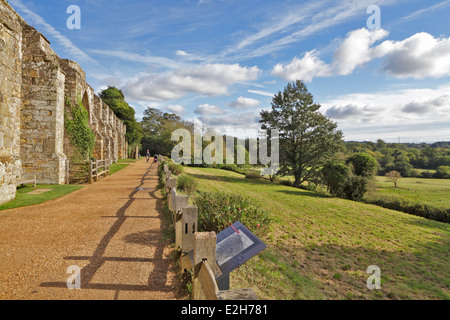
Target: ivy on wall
<point>77,126</point>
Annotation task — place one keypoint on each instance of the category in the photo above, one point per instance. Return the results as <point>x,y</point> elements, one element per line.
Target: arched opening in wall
<point>85,102</point>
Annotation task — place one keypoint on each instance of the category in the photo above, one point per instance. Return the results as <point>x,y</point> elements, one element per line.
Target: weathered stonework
<point>10,100</point>
<point>34,85</point>
<point>42,118</point>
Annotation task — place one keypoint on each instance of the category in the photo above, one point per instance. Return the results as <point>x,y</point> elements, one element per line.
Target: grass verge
<point>24,199</point>
<point>117,167</point>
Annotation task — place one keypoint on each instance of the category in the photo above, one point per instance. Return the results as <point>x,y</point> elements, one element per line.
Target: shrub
<point>335,175</point>
<point>253,175</point>
<point>364,164</point>
<point>417,209</point>
<point>186,183</point>
<point>442,172</point>
<point>393,176</point>
<point>176,169</point>
<point>355,188</point>
<point>217,211</point>
<point>404,167</point>
<point>77,127</point>
<point>426,174</point>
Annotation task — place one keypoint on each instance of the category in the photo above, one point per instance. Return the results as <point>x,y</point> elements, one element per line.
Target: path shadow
<point>156,280</point>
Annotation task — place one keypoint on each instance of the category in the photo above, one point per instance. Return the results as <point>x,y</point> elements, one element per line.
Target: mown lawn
<point>320,247</point>
<point>117,167</point>
<point>24,199</point>
<point>435,192</point>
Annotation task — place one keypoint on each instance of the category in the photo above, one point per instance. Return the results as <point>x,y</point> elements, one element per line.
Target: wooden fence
<point>98,169</point>
<point>198,249</point>
<point>89,171</point>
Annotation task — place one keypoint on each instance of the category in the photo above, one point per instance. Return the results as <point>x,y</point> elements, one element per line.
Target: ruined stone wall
<point>34,83</point>
<point>42,119</point>
<point>10,100</point>
<point>108,128</point>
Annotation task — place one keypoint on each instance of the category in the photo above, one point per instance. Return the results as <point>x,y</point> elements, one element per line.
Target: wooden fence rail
<point>89,171</point>
<point>198,249</point>
<point>79,172</point>
<point>99,168</point>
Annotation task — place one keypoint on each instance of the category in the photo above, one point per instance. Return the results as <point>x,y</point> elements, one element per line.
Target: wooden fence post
<point>189,222</point>
<point>172,194</point>
<point>179,202</point>
<point>171,183</point>
<point>181,208</point>
<point>189,226</point>
<point>90,171</point>
<point>204,249</point>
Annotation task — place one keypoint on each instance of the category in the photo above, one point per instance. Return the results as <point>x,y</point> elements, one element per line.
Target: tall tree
<point>308,139</point>
<point>115,99</point>
<point>157,129</point>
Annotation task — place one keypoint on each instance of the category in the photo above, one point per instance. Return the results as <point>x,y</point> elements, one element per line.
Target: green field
<point>435,192</point>
<point>24,199</point>
<point>320,247</point>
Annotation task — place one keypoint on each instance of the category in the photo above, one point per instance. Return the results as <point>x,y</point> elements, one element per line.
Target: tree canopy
<point>115,99</point>
<point>308,139</point>
<point>157,127</point>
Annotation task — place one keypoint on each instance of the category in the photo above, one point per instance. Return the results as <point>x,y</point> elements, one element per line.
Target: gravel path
<point>112,230</point>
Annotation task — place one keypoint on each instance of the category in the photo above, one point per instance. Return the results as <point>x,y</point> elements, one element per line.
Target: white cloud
<point>244,103</point>
<point>306,68</point>
<point>422,12</point>
<point>357,50</point>
<point>416,114</point>
<point>420,56</point>
<point>262,93</point>
<point>181,53</point>
<point>349,111</point>
<point>247,121</point>
<point>207,109</point>
<point>176,109</point>
<point>292,24</point>
<point>139,58</point>
<point>427,106</point>
<point>210,80</point>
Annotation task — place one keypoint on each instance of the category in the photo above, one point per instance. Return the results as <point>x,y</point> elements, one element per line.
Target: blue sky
<point>219,62</point>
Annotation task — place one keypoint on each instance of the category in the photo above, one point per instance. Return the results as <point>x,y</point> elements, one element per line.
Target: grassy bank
<point>320,247</point>
<point>24,199</point>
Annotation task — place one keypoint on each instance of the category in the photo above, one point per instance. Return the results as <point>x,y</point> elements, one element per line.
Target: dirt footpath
<point>112,230</point>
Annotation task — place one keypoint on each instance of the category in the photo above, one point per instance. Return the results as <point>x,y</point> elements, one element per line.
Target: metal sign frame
<point>251,246</point>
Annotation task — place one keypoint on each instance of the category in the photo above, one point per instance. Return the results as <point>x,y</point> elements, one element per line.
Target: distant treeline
<point>410,159</point>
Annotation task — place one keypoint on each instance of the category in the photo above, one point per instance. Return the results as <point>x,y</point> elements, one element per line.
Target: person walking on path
<point>148,155</point>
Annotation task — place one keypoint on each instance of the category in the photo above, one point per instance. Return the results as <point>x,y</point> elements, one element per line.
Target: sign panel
<point>235,246</point>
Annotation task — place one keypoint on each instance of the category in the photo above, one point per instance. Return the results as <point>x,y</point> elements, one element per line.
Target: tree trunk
<point>297,182</point>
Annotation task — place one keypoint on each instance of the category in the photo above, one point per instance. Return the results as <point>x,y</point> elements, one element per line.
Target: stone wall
<point>42,118</point>
<point>108,128</point>
<point>10,100</point>
<point>34,85</point>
